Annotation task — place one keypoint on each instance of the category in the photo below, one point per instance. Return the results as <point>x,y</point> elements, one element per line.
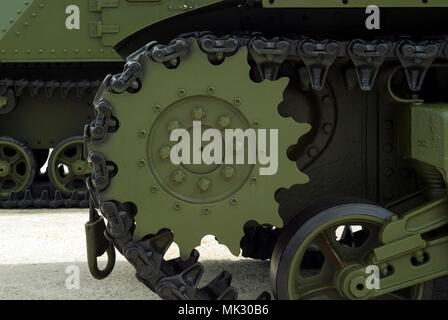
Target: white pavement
<point>37,247</point>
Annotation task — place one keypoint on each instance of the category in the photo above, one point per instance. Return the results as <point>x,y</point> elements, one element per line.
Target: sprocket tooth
<point>162,241</point>
<point>193,275</point>
<point>179,264</point>
<point>186,243</point>
<point>219,288</point>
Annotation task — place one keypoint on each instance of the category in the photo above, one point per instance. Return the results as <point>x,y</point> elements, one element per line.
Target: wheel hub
<point>80,167</point>
<point>352,284</point>
<point>4,169</point>
<point>196,183</point>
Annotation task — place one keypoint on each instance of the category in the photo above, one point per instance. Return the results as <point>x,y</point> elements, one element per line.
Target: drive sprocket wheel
<point>193,200</point>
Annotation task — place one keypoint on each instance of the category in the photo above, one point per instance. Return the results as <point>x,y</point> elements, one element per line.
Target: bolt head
<point>197,113</point>
<point>326,100</point>
<point>228,173</point>
<point>204,184</point>
<point>224,122</point>
<point>172,125</point>
<point>234,201</point>
<point>164,153</point>
<point>327,128</point>
<point>178,177</point>
<point>154,188</point>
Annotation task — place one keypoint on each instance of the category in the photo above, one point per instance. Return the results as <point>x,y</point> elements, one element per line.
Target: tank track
<point>42,194</point>
<point>49,87</point>
<point>45,200</point>
<point>178,279</point>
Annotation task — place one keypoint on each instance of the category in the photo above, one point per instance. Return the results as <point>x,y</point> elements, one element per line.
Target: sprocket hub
<point>193,200</point>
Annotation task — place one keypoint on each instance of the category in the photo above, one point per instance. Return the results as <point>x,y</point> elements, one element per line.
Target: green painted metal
<point>423,133</point>
<point>351,3</point>
<point>417,221</point>
<point>17,167</point>
<point>343,273</point>
<point>97,245</point>
<point>58,118</point>
<point>337,257</point>
<point>3,101</point>
<point>413,258</point>
<point>66,169</point>
<point>403,263</point>
<point>210,199</point>
<point>35,30</point>
<point>416,267</point>
<point>202,198</point>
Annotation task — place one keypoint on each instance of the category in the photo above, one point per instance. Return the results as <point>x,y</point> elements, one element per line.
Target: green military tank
<point>310,133</point>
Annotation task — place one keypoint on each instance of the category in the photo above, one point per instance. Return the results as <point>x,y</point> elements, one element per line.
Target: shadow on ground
<point>48,280</point>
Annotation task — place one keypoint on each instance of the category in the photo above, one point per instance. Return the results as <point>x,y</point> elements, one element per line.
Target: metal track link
<point>49,87</point>
<point>177,279</point>
<point>58,200</point>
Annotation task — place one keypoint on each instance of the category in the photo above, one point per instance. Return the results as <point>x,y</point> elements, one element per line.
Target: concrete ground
<point>39,249</point>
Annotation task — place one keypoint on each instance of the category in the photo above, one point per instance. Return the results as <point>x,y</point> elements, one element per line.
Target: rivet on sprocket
<point>237,101</point>
<point>141,162</point>
<point>206,210</point>
<point>154,188</point>
<point>211,90</point>
<point>181,92</point>
<point>253,180</point>
<point>256,123</point>
<point>177,206</point>
<point>142,133</point>
<point>156,108</point>
<point>234,201</point>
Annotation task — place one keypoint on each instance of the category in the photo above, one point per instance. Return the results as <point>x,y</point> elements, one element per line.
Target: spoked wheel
<point>17,167</point>
<point>66,169</point>
<point>317,248</point>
